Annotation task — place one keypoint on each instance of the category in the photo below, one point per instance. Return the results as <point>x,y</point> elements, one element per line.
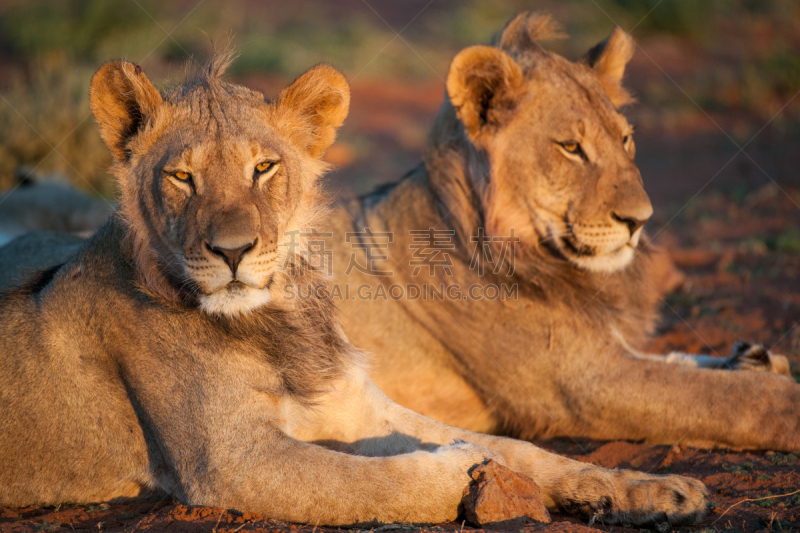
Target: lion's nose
<point>232,256</point>
<point>632,222</point>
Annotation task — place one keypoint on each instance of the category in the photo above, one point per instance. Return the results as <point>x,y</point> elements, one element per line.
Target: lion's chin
<point>606,263</point>
<point>235,299</point>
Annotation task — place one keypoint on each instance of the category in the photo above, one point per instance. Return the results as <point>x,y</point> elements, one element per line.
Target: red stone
<point>499,497</point>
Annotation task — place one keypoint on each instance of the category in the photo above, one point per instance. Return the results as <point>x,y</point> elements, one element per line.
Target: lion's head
<point>213,174</point>
<point>549,152</point>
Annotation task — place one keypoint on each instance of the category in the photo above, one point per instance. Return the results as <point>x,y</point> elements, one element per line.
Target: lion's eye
<point>264,170</point>
<point>572,147</point>
<point>183,176</point>
<point>626,140</point>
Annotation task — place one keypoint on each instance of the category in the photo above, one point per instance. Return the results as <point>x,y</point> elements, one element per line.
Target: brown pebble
<point>499,497</point>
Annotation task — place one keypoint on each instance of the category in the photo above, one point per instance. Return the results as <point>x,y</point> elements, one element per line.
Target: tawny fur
<point>117,377</point>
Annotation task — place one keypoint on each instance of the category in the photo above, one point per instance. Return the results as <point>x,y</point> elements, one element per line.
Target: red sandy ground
<point>738,244</point>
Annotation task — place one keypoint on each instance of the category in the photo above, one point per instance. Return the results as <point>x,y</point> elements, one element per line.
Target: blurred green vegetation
<point>48,50</point>
<point>45,124</point>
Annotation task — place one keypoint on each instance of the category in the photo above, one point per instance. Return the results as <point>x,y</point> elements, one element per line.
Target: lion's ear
<point>608,59</point>
<point>483,86</point>
<point>122,98</point>
<point>321,99</point>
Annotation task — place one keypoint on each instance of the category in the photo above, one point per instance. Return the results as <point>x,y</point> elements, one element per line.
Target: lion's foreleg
<point>618,397</point>
<point>284,478</point>
<point>619,496</point>
<point>359,418</point>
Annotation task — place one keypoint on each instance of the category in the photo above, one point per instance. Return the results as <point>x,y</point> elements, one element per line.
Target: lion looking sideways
<point>531,146</point>
<point>163,355</point>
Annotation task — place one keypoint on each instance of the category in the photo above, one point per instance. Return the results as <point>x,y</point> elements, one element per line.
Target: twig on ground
<point>240,527</point>
<point>214,530</point>
<point>753,500</point>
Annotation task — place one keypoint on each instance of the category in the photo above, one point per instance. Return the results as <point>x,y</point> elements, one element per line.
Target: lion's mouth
<point>573,245</point>
<point>581,250</point>
<point>577,249</point>
<point>234,298</point>
<point>235,287</point>
<point>570,242</point>
<point>562,242</point>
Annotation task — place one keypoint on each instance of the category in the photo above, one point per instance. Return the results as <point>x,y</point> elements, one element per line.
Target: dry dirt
<point>737,241</point>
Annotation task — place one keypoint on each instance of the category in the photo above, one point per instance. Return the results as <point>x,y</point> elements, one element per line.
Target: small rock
<point>500,497</point>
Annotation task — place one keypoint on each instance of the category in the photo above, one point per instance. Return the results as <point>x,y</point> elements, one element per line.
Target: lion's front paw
<point>746,356</point>
<point>654,500</point>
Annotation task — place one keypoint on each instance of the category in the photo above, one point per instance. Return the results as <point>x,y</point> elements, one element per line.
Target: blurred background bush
<point>704,70</point>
